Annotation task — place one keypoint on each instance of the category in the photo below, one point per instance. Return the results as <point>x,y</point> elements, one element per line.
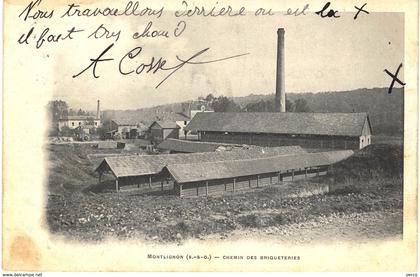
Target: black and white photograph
<point>187,130</point>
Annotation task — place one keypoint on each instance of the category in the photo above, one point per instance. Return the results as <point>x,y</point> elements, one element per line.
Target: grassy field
<point>364,201</point>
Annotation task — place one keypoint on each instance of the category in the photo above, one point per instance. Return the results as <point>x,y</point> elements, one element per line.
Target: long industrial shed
<point>309,130</point>
<point>198,179</point>
<point>146,170</point>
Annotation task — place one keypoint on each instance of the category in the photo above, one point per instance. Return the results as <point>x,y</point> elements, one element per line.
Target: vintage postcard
<point>210,135</point>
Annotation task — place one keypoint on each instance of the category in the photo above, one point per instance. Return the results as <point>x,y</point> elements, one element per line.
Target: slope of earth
<point>71,166</point>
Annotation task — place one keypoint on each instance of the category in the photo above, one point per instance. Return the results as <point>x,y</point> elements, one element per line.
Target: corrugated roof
<point>189,146</point>
<point>337,124</point>
<point>184,173</point>
<point>137,165</point>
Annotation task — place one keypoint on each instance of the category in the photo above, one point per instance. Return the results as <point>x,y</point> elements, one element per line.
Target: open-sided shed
<point>198,179</point>
<point>143,170</point>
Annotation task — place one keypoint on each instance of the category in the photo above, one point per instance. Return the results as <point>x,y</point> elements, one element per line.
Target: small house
<point>161,130</point>
<point>127,128</point>
<point>78,121</point>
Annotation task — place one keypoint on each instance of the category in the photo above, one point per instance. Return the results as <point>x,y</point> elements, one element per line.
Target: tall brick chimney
<point>98,111</point>
<point>280,93</point>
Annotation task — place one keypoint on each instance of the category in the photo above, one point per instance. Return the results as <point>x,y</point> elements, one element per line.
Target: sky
<point>320,55</point>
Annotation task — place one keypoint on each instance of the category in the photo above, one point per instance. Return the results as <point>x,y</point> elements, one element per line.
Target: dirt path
<point>369,226</point>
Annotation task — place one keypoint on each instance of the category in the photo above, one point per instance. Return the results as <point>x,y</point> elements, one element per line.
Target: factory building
<point>281,137</point>
<point>81,121</point>
<point>281,128</point>
<point>309,130</point>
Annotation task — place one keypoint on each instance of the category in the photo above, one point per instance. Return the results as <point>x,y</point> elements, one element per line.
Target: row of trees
<point>221,103</point>
<point>386,111</point>
<point>59,109</point>
<point>299,106</point>
<point>225,104</point>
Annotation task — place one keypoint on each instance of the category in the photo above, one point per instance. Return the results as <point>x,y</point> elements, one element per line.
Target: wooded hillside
<point>385,110</point>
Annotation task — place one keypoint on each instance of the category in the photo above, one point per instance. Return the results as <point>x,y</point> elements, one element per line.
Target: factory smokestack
<point>280,94</point>
<point>98,111</point>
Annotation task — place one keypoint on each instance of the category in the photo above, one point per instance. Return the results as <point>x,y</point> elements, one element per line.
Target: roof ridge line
<point>262,158</point>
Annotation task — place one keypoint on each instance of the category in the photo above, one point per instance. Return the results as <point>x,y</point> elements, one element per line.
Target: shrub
<point>280,219</point>
<point>250,220</point>
<point>344,190</point>
<point>181,226</point>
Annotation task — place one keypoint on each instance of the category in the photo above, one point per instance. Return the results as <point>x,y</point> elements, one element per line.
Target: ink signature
<point>153,66</point>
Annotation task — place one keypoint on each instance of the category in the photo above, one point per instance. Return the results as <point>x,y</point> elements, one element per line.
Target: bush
<point>181,227</point>
<point>66,132</point>
<point>252,221</point>
<point>344,191</point>
<point>281,219</point>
